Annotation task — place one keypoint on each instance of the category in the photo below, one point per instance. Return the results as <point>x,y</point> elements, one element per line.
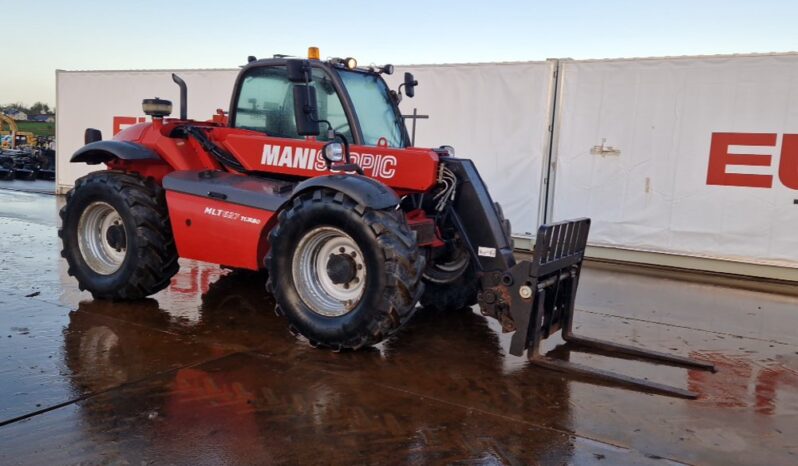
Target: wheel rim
<point>329,271</point>
<point>101,238</point>
<point>448,270</point>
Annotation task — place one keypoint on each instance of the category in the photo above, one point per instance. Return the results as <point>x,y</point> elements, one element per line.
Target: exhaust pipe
<point>183,96</point>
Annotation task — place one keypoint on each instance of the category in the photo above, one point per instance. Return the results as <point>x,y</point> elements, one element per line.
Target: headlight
<point>350,63</point>
<point>334,151</point>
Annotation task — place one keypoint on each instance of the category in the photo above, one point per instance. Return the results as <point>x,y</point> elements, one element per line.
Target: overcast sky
<point>41,36</point>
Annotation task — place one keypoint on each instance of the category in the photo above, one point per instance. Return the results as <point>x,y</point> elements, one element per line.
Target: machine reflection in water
<point>259,393</point>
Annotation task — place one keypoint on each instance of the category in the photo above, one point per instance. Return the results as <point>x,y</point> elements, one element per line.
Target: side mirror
<point>410,85</point>
<point>92,135</point>
<point>306,114</point>
<point>298,71</point>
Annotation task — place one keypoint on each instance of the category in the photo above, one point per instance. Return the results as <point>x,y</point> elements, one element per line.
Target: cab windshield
<point>265,103</point>
<point>372,102</point>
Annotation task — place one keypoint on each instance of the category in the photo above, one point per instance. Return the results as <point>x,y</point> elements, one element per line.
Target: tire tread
<point>403,262</point>
<point>158,259</point>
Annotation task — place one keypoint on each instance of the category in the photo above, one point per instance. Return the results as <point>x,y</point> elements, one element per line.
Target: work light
<point>334,151</point>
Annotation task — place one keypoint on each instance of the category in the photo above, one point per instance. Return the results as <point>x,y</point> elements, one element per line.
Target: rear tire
<point>461,291</point>
<point>344,275</point>
<point>117,237</point>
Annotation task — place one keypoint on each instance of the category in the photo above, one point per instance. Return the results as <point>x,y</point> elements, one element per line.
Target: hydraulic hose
<point>221,156</point>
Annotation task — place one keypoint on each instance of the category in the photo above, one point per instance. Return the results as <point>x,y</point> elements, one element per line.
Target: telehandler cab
<point>311,177</point>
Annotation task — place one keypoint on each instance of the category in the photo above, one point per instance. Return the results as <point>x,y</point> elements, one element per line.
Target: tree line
<point>36,109</point>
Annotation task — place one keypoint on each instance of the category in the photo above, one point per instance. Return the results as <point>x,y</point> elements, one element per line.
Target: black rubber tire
<point>151,258</point>
<point>25,174</point>
<point>462,292</point>
<point>392,260</point>
<point>48,175</point>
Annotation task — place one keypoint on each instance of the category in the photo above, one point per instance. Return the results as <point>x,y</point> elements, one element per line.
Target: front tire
<point>344,275</point>
<point>117,237</point>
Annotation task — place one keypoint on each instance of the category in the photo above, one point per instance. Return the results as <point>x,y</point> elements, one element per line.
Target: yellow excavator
<point>17,138</point>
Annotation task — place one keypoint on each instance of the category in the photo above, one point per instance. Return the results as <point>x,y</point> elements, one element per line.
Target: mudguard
<point>363,190</point>
<point>102,151</point>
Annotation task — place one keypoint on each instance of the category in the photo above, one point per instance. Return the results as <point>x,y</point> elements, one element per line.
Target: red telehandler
<point>311,177</point>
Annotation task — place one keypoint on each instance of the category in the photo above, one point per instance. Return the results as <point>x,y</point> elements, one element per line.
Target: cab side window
<point>266,103</point>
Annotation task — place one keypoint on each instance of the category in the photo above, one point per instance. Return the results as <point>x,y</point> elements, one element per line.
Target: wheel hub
<point>101,238</point>
<point>329,271</point>
<point>116,237</point>
<point>341,268</point>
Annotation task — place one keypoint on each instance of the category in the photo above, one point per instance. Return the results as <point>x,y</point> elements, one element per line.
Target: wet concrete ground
<point>205,373</point>
<point>33,186</point>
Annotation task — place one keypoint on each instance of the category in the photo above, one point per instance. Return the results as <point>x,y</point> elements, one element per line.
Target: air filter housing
<point>156,108</point>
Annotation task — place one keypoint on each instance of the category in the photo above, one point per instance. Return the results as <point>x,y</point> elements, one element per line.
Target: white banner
<point>645,147</point>
<point>644,150</point>
<point>496,114</point>
<point>111,100</point>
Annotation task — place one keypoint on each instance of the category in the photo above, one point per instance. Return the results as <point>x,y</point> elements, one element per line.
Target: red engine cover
<point>217,231</point>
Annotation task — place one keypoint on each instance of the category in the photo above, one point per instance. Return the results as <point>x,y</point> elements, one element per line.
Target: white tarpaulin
<point>92,99</point>
<point>632,142</point>
<point>495,114</point>
<point>633,153</point>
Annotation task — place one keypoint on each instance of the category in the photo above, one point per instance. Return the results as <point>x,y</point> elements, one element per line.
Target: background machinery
<point>12,137</point>
<point>24,156</point>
